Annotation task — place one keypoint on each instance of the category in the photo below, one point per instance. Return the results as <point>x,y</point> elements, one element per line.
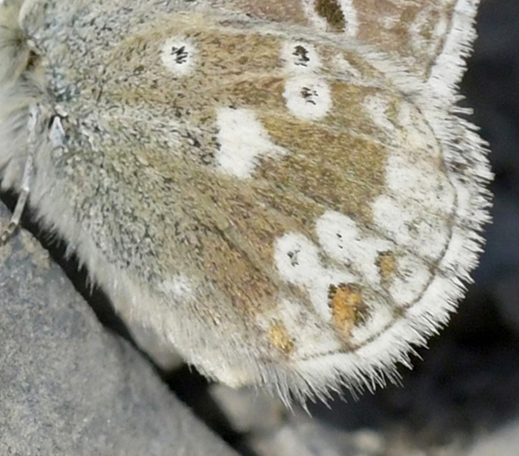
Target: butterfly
<point>286,192</point>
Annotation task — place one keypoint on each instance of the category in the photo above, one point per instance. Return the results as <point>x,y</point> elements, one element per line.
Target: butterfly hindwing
<point>271,186</point>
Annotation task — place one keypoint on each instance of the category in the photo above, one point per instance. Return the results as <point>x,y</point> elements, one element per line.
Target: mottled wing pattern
<point>270,185</point>
<point>427,37</point>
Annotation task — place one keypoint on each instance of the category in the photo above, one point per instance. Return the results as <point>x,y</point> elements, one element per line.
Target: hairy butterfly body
<point>281,190</point>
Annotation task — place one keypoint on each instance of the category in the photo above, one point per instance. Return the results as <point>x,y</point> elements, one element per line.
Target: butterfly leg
<point>33,121</point>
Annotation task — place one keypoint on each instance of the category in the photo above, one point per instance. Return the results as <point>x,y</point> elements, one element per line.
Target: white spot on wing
<point>342,241</point>
<point>308,97</point>
<point>416,210</point>
<point>411,226</point>
<point>350,15</point>
<point>419,181</point>
<point>178,56</point>
<point>297,261</point>
<point>242,140</point>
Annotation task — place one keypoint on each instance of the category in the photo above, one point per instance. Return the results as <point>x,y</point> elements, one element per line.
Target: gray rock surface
<point>504,442</point>
<point>67,385</point>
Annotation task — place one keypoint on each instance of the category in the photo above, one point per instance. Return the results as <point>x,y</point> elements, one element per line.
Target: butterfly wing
<point>429,38</point>
<point>285,205</point>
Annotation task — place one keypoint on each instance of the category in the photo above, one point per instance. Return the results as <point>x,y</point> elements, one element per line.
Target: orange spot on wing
<point>279,338</point>
<point>348,307</point>
<point>387,266</point>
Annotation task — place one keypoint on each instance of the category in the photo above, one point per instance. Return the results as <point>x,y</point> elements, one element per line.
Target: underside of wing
<point>429,38</point>
<point>268,199</point>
